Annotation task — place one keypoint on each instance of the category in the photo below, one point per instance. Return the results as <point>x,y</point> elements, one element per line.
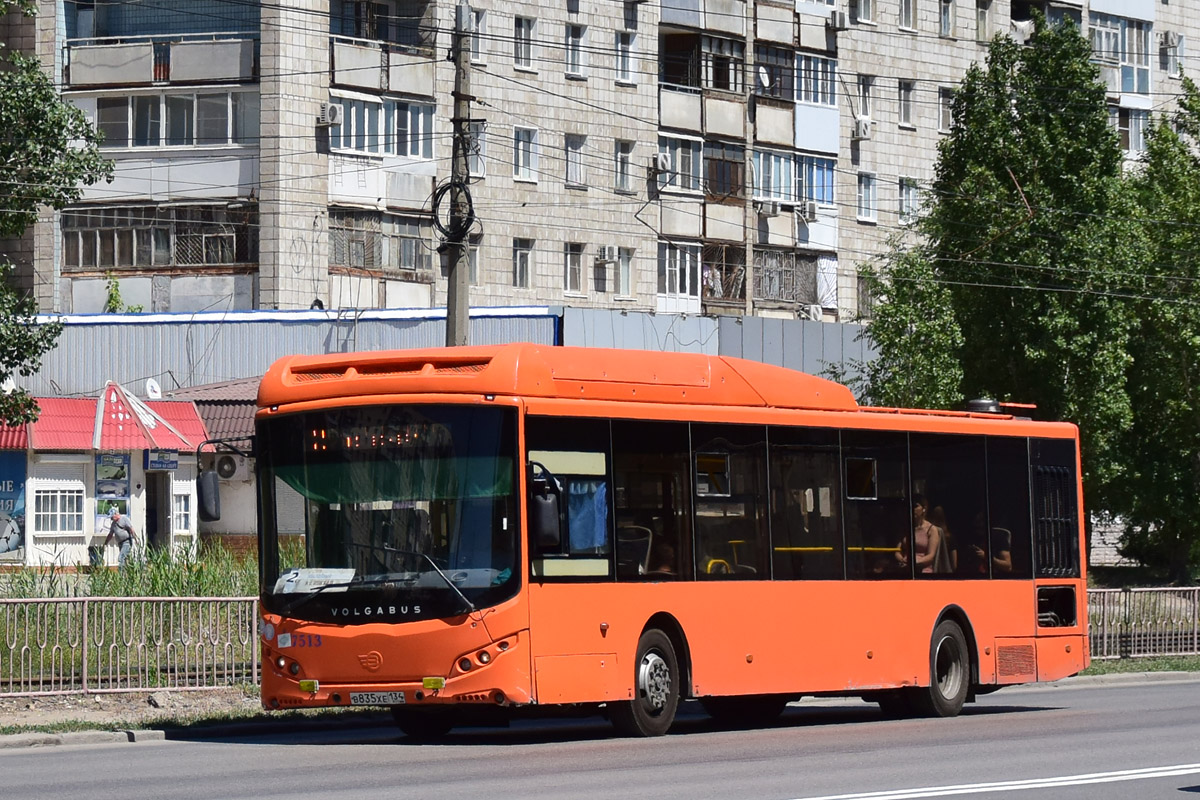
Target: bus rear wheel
<point>656,689</point>
<point>425,724</point>
<point>949,673</point>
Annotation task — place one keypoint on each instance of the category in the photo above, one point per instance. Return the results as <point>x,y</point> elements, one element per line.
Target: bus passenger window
<point>575,453</point>
<point>806,518</point>
<point>731,502</point>
<point>878,515</point>
<point>949,473</point>
<point>652,492</point>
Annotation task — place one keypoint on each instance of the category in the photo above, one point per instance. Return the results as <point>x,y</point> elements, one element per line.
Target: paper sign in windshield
<point>301,581</point>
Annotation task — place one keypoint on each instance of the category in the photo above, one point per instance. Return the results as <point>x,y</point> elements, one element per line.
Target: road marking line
<point>1021,785</point>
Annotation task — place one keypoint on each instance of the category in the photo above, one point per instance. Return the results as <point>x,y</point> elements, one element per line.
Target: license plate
<point>376,698</point>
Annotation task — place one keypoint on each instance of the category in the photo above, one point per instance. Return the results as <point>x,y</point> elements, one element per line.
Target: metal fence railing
<point>85,645</point>
<point>1134,623</point>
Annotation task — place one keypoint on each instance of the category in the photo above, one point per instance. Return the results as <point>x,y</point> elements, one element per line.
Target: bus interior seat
<point>633,550</point>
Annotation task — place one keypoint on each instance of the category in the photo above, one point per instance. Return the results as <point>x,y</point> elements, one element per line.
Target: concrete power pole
<point>461,216</point>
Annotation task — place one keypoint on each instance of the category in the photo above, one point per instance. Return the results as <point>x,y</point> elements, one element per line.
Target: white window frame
<point>866,11</point>
<point>866,85</point>
<point>817,84</point>
<point>181,513</point>
<point>907,15</point>
<point>624,44</point>
<point>945,109</point>
<point>575,50</point>
<point>576,171</point>
<point>624,272</point>
<point>57,510</point>
<point>983,21</point>
<point>383,127</point>
<point>1171,54</point>
<point>868,188</point>
<point>946,18</point>
<point>573,267</point>
<point>1131,130</point>
<point>479,41</point>
<point>525,154</point>
<point>686,164</point>
<point>523,261</point>
<point>909,199</point>
<point>906,90</point>
<point>774,176</point>
<point>477,149</point>
<point>818,179</point>
<point>678,270</point>
<point>524,29</point>
<point>623,165</point>
<point>241,119</point>
<point>722,63</point>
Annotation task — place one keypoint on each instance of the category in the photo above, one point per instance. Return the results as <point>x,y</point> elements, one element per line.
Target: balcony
<point>174,58</point>
<point>380,66</point>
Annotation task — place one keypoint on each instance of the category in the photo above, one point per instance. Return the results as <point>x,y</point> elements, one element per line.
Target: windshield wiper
<point>470,606</point>
<point>352,583</point>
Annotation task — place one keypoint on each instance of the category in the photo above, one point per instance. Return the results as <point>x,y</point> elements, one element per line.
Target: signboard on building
<point>112,478</point>
<point>12,501</point>
<point>158,460</point>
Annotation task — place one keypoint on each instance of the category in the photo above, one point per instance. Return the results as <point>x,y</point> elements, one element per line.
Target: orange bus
<point>476,532</point>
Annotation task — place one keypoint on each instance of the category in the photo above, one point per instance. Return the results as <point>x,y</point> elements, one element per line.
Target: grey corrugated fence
<point>84,645</point>
<point>87,645</point>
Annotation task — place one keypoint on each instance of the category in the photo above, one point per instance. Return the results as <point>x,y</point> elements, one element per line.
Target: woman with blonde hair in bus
<point>925,541</point>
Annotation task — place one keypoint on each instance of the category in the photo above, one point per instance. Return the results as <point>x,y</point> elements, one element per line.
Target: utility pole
<point>461,216</point>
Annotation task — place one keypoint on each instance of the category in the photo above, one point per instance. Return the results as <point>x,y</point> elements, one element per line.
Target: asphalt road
<point>1139,740</point>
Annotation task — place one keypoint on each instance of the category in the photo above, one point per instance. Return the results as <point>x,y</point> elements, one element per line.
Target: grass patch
<point>1149,664</point>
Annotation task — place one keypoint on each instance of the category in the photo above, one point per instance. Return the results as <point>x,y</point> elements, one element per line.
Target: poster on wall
<point>112,487</point>
<point>12,504</point>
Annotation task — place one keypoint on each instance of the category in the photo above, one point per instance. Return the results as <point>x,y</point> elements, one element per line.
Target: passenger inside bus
<point>926,539</point>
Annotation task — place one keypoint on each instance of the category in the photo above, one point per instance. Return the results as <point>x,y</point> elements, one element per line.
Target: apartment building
<point>683,156</point>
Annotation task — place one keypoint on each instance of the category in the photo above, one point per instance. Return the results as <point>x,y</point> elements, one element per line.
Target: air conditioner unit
<point>862,128</point>
<point>807,210</point>
<point>331,114</point>
<point>232,468</point>
<point>837,21</point>
<point>815,312</point>
<point>607,253</point>
<point>768,208</point>
<point>660,163</point>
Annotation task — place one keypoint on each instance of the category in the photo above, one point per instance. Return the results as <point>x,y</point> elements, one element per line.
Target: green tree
<point>1028,238</point>
<point>48,153</point>
<point>1161,492</point>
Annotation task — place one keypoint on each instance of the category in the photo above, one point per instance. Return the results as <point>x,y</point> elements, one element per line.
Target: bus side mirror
<point>208,490</point>
<point>545,522</point>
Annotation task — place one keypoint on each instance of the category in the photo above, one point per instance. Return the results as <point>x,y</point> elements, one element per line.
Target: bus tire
<point>656,689</point>
<point>745,711</point>
<point>949,673</point>
<point>426,724</point>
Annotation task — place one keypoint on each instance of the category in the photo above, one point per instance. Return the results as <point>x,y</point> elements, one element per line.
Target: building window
<point>181,516</point>
<point>1131,124</point>
<point>945,17</point>
<point>154,236</point>
<point>774,176</point>
<point>623,167</point>
<point>576,174</point>
<point>775,277</point>
<point>624,56</point>
<point>384,128</point>
<point>907,89</point>
<point>908,199</point>
<point>624,272</point>
<point>816,179</point>
<point>372,240</point>
<point>983,20</point>
<point>907,14</point>
<point>478,36</point>
<point>775,72</point>
<point>477,149</point>
<point>522,262</point>
<point>1123,43</point>
<point>383,21</point>
<point>474,244</point>
<point>818,80</point>
<point>945,108</point>
<point>525,154</point>
<point>58,511</point>
<point>724,271</point>
<point>679,269</point>
<point>523,42</point>
<point>724,170</point>
<point>203,119</point>
<point>573,267</point>
<point>576,53</point>
<point>679,59</point>
<point>866,84</point>
<point>723,63</point>
<point>866,11</point>
<point>684,155</point>
<point>866,197</point>
<point>1170,54</point>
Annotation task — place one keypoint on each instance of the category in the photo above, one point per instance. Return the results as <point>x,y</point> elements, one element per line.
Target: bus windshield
<point>388,513</point>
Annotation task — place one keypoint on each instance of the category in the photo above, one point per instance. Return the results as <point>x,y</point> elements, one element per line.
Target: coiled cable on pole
<point>456,231</point>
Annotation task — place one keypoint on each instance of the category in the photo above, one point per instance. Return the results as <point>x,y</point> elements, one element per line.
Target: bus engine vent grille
<point>1016,661</point>
<point>310,377</point>
<point>437,369</point>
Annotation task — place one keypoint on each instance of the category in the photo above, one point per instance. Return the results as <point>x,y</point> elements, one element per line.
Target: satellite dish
<point>764,77</point>
<point>153,390</point>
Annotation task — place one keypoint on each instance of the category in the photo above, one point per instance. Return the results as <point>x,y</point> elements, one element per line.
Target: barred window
<point>724,272</point>
<point>776,276</point>
<point>158,236</point>
<point>724,63</point>
<point>776,69</point>
<point>372,240</point>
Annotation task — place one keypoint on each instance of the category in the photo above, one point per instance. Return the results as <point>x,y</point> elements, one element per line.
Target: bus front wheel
<point>423,725</point>
<point>949,673</point>
<point>656,689</point>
